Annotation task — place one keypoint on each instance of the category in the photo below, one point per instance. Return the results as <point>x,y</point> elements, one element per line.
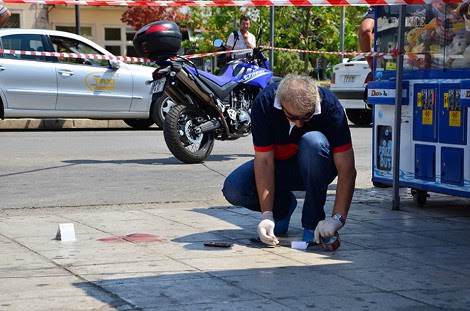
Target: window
<point>130,35</point>
<point>13,21</point>
<point>114,49</point>
<point>112,37</point>
<point>130,50</point>
<point>84,31</point>
<point>23,42</point>
<point>67,45</point>
<point>112,34</point>
<point>119,40</point>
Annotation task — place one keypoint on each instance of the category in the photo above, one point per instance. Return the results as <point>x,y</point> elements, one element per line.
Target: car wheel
<point>362,117</point>
<point>160,108</point>
<point>139,124</point>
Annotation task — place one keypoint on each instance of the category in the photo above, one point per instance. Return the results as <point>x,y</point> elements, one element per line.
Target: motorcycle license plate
<point>158,86</point>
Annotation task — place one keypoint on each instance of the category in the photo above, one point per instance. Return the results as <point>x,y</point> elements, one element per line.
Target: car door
<point>27,83</point>
<point>89,86</point>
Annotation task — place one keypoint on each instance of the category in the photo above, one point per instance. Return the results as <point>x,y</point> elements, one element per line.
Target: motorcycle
<point>208,107</point>
<point>164,103</point>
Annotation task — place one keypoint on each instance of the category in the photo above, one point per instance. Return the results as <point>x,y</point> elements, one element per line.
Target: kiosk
<point>434,149</point>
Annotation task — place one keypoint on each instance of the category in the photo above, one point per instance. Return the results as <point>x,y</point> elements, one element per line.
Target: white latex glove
<point>327,228</point>
<point>266,229</point>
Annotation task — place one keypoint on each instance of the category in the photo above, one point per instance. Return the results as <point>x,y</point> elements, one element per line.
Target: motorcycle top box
<point>158,40</point>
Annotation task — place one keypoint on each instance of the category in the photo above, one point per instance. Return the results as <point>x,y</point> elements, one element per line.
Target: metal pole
<point>341,35</point>
<point>77,19</point>
<point>271,39</point>
<point>398,100</point>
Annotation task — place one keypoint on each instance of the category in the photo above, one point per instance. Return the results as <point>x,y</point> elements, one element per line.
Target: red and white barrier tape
<point>76,55</point>
<point>215,53</point>
<point>203,3</point>
<point>188,56</point>
<point>368,54</point>
<point>110,57</point>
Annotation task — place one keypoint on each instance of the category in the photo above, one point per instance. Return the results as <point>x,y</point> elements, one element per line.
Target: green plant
<point>288,62</point>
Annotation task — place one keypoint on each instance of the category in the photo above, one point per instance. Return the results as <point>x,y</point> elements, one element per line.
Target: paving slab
<point>153,257</point>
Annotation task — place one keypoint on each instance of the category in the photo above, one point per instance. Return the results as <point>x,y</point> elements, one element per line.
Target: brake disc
<point>191,135</point>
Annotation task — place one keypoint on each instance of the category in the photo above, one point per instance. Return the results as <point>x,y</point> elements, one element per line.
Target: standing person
<point>242,38</point>
<point>4,15</point>
<point>302,142</point>
<point>366,34</point>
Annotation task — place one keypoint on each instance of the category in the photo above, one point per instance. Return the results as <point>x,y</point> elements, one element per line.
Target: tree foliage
<point>317,29</point>
<point>314,28</point>
<point>219,22</point>
<point>287,62</point>
<point>139,16</point>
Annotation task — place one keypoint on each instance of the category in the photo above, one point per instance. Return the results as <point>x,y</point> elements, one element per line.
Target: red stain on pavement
<point>133,238</point>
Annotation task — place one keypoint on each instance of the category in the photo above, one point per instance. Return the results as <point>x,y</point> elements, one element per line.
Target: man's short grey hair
<point>300,91</point>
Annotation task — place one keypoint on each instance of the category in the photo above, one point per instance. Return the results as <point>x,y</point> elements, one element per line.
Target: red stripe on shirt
<point>287,151</point>
<point>264,148</point>
<point>342,148</point>
<point>280,152</point>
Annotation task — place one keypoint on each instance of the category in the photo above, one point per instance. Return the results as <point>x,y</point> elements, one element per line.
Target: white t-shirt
<point>240,44</point>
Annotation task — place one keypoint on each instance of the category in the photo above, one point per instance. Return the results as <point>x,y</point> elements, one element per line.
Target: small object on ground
<point>328,244</point>
<point>331,243</point>
<point>66,233</point>
<point>302,245</point>
<point>218,244</point>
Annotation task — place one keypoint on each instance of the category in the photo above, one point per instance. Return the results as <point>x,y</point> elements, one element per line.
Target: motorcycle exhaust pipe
<point>209,126</point>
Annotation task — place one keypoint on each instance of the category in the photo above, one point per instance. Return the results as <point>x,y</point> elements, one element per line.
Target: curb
<point>57,124</point>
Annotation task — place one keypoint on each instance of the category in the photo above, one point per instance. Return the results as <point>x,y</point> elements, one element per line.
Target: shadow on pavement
<point>391,260</point>
<point>155,161</point>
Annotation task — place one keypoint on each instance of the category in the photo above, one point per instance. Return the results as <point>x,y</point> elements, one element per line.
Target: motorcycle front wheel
<point>181,137</point>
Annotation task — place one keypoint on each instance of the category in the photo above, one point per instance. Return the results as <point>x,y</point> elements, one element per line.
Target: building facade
<point>101,24</point>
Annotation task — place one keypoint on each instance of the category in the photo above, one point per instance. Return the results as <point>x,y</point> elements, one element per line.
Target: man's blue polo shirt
<point>271,129</point>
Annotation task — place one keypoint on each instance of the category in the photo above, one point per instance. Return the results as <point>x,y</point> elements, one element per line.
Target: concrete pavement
<point>55,123</point>
<point>152,257</point>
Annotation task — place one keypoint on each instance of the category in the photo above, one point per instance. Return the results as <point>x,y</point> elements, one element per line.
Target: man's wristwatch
<point>339,217</point>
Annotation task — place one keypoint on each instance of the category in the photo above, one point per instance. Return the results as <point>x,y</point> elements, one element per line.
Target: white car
<point>348,83</point>
<point>52,87</point>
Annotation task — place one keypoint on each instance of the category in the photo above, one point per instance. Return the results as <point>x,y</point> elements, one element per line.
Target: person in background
<point>242,39</point>
<point>302,142</point>
<point>4,15</point>
<point>366,34</point>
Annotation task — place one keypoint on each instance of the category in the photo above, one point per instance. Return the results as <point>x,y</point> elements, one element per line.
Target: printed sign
<point>384,148</point>
<point>427,117</point>
<point>98,83</point>
<point>455,118</point>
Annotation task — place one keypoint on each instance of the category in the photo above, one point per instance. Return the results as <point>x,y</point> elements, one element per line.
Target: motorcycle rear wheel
<point>180,136</point>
